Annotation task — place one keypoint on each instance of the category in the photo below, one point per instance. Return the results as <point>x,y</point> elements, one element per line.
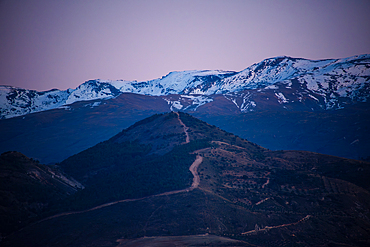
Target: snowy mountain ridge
<point>330,84</point>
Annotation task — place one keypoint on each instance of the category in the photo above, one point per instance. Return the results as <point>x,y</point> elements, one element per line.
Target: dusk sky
<point>47,44</point>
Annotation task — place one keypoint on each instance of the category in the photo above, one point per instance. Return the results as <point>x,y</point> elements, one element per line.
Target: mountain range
<point>281,103</point>
<point>174,180</point>
<point>285,82</point>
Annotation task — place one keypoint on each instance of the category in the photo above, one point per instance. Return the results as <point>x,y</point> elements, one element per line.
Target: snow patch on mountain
<point>187,102</point>
<point>17,101</point>
<point>93,89</point>
<point>281,98</point>
<point>184,82</point>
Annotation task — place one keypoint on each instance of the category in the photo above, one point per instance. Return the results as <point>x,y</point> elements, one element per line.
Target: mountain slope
<point>343,132</point>
<point>54,135</point>
<point>154,151</point>
<point>29,189</point>
<point>288,82</point>
<point>258,196</point>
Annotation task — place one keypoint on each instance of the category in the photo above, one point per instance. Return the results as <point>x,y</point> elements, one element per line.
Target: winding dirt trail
<point>266,228</point>
<point>193,169</point>
<point>185,128</point>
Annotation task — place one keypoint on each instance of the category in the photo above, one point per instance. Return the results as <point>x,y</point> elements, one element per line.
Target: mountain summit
<point>285,81</point>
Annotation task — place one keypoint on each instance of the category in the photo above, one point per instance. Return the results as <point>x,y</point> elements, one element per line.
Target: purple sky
<point>47,44</point>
